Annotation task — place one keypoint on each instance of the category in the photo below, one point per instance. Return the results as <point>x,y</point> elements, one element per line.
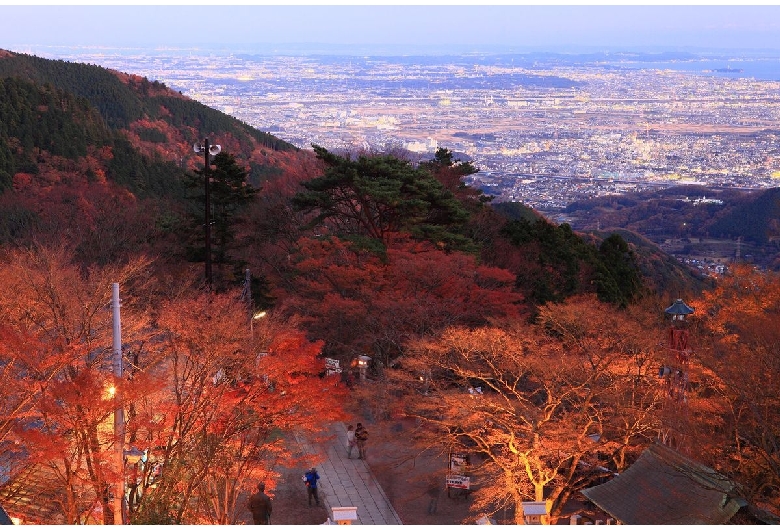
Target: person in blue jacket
<point>311,477</point>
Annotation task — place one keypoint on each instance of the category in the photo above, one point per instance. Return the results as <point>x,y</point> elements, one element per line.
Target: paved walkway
<point>349,481</point>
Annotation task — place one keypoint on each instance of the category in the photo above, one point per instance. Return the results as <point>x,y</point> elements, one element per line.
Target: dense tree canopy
<point>618,280</point>
<point>450,172</point>
<point>205,395</point>
<point>374,197</point>
<point>738,346</point>
<point>371,255</point>
<point>541,409</point>
<point>361,303</point>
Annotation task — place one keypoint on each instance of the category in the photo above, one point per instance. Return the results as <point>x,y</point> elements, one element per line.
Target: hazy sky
<point>469,26</point>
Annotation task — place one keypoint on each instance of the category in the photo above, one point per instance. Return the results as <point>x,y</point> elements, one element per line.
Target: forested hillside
<point>123,99</point>
<point>230,313</point>
<point>77,141</point>
<point>692,213</point>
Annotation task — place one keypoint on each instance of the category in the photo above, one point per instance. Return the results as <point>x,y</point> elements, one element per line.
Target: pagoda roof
<point>679,308</point>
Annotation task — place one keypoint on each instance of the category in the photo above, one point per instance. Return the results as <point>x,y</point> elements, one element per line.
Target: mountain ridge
<point>142,151</point>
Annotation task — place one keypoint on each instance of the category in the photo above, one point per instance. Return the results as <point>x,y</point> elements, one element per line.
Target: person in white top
<point>351,441</point>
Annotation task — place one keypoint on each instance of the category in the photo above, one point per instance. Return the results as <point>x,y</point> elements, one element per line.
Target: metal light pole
<point>119,413</point>
<point>208,152</point>
<point>246,294</point>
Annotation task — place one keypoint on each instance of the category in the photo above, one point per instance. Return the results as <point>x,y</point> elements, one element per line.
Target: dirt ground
<point>412,481</point>
<point>289,502</point>
<point>405,477</point>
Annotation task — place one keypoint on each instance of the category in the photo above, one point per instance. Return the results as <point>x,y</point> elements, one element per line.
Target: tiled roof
<point>32,496</point>
<point>665,487</point>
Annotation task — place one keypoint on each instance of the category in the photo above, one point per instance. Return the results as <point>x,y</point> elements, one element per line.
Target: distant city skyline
<point>394,28</point>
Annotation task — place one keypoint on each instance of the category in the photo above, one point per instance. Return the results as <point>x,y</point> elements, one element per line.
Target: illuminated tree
<point>59,317</point>
<point>224,400</point>
<point>738,345</point>
<point>210,400</point>
<point>543,409</point>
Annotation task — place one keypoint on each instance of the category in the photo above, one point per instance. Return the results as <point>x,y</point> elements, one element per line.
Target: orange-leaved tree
<point>536,406</point>
<point>57,329</point>
<point>738,345</point>
<point>228,401</point>
<point>372,302</point>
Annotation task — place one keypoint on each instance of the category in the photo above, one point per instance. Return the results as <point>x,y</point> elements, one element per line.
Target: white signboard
<point>332,366</point>
<point>344,513</point>
<point>458,482</point>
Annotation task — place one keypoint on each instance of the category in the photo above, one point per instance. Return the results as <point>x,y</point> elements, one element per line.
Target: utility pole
<point>119,414</point>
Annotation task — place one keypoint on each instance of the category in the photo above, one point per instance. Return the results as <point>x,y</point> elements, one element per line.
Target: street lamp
<point>425,379</point>
<point>362,363</point>
<point>208,152</point>
<point>247,295</point>
<point>255,316</point>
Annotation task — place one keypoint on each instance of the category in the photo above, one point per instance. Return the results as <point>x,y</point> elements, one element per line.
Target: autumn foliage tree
<point>542,409</point>
<point>738,345</point>
<point>224,399</point>
<point>58,315</point>
<point>209,399</point>
<point>367,303</point>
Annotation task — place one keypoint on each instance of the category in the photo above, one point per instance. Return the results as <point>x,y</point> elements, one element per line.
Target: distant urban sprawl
<point>543,130</point>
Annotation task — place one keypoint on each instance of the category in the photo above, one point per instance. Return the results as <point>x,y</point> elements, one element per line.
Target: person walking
<point>311,477</point>
<point>434,492</point>
<point>361,436</point>
<point>260,506</point>
<point>351,441</point>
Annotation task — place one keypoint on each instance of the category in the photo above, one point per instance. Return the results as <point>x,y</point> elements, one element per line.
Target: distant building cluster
<point>545,136</point>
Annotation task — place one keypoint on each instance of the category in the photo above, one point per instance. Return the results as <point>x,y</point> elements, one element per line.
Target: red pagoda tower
<point>675,375</point>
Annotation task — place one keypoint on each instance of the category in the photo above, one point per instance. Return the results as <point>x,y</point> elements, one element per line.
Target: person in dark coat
<point>260,506</point>
<point>311,477</point>
<point>361,437</point>
<point>434,492</point>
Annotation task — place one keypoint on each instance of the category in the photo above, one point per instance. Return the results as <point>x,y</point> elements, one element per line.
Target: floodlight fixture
<point>214,150</point>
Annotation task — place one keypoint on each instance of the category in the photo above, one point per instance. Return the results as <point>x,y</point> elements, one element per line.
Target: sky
<point>404,26</point>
